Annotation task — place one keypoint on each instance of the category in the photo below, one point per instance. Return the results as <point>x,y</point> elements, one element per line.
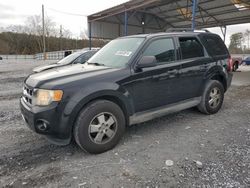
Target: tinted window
<point>162,49</point>
<point>190,48</point>
<point>215,46</point>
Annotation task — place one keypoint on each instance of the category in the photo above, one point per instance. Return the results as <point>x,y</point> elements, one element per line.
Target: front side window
<point>117,53</point>
<point>162,49</point>
<point>190,48</point>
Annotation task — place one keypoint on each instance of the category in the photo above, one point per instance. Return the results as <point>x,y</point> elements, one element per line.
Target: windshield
<point>68,59</point>
<point>117,52</point>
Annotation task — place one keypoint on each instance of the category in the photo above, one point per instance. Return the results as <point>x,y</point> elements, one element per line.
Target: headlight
<point>45,97</point>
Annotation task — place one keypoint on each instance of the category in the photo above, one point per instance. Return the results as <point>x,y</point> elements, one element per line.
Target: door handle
<point>205,66</point>
<point>174,71</point>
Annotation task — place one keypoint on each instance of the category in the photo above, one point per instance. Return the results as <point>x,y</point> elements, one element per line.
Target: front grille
<point>28,94</point>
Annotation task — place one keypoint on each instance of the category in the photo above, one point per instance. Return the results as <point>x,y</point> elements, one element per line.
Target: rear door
<point>216,49</point>
<point>194,64</point>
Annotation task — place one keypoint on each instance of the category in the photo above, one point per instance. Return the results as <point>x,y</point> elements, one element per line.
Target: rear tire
<point>212,97</point>
<point>235,67</point>
<point>99,126</point>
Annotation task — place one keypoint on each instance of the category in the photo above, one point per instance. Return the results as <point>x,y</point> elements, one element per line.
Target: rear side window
<point>162,49</point>
<point>190,47</point>
<point>215,46</point>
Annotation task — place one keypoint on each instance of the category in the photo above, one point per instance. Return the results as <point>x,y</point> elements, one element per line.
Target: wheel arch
<point>217,73</point>
<point>74,107</point>
<point>236,61</point>
<point>221,79</point>
<point>115,100</point>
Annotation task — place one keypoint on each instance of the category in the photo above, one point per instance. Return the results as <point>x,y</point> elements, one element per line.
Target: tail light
<point>230,64</point>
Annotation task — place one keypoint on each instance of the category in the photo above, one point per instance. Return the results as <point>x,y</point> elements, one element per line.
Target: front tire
<point>99,126</point>
<point>212,98</point>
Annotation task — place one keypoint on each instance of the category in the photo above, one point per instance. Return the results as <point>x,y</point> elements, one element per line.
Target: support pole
<point>90,36</point>
<point>224,32</point>
<point>119,30</point>
<point>76,41</point>
<point>194,6</point>
<point>143,23</point>
<point>60,37</point>
<point>43,22</point>
<point>125,23</point>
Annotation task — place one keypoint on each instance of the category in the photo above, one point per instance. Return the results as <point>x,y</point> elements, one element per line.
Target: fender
<point>214,70</point>
<point>91,92</point>
<point>217,71</point>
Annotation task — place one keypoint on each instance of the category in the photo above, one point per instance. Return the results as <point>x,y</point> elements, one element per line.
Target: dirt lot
<point>185,149</point>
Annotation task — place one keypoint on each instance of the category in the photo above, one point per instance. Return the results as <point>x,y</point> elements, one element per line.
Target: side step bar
<point>164,110</point>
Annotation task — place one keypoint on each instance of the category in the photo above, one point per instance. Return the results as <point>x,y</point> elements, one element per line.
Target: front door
<point>156,86</point>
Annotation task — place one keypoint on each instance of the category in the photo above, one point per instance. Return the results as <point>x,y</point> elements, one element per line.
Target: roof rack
<point>186,30</point>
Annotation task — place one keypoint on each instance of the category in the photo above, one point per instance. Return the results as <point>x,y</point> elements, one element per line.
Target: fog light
<point>42,125</point>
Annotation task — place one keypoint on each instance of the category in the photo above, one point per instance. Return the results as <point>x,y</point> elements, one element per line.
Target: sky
<point>15,12</point>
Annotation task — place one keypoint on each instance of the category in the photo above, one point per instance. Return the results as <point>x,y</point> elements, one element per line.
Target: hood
<point>45,67</point>
<point>64,75</point>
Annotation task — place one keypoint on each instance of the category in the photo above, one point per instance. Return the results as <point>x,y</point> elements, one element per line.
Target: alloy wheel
<point>214,97</point>
<point>102,128</point>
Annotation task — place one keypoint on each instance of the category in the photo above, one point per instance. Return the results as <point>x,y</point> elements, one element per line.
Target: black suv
<point>130,80</point>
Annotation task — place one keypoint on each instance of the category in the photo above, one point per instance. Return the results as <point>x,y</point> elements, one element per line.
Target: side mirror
<point>147,61</point>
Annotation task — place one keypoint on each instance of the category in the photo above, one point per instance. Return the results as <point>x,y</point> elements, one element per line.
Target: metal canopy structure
<point>150,16</point>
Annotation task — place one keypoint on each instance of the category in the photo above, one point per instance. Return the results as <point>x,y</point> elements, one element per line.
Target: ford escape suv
<point>130,80</point>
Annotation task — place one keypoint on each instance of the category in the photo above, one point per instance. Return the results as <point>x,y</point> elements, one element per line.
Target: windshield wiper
<point>96,64</point>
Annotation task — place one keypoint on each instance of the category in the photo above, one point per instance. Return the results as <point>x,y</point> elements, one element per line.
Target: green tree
<point>236,41</point>
<point>247,37</point>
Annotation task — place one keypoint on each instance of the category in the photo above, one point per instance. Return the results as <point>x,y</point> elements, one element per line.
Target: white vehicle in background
<point>79,57</point>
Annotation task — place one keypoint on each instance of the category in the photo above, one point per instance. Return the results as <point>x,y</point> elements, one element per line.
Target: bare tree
<point>34,27</point>
<point>34,23</point>
<point>17,28</point>
<point>84,34</point>
<point>27,38</point>
<point>66,33</point>
<point>247,37</point>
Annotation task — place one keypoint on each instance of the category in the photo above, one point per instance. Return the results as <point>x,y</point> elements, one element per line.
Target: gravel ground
<point>184,149</point>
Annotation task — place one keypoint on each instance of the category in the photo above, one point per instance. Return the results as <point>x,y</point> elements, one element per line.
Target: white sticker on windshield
<point>123,53</point>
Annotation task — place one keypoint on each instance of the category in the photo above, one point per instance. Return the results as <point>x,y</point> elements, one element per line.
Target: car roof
<point>151,35</point>
<point>92,49</point>
<point>85,50</point>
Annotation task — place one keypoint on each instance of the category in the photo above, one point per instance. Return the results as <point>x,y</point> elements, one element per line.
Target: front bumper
<point>57,126</point>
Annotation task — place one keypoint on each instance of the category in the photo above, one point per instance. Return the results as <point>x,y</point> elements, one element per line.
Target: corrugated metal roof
<point>159,15</point>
